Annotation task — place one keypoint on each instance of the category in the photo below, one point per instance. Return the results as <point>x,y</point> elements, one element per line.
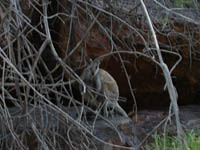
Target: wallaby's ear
<point>89,61</point>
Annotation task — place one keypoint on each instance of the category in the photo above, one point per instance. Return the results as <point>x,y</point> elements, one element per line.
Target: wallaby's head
<point>93,67</point>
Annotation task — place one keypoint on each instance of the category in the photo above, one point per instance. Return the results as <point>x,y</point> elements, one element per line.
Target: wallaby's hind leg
<point>117,108</point>
<point>113,108</point>
<point>109,112</point>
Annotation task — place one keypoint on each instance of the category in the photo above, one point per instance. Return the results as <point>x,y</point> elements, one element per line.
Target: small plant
<point>171,143</point>
<point>182,3</point>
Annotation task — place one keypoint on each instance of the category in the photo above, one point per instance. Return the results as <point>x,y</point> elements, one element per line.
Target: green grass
<point>182,3</point>
<point>171,143</point>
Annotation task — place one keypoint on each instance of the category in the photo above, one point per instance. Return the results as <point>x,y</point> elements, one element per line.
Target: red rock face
<point>145,76</point>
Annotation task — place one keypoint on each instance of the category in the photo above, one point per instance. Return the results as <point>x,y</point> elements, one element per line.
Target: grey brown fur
<point>106,89</point>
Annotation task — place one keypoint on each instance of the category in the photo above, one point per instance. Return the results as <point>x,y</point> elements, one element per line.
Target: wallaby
<point>102,89</point>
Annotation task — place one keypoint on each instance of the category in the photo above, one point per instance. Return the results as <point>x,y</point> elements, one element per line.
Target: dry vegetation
<point>35,66</point>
